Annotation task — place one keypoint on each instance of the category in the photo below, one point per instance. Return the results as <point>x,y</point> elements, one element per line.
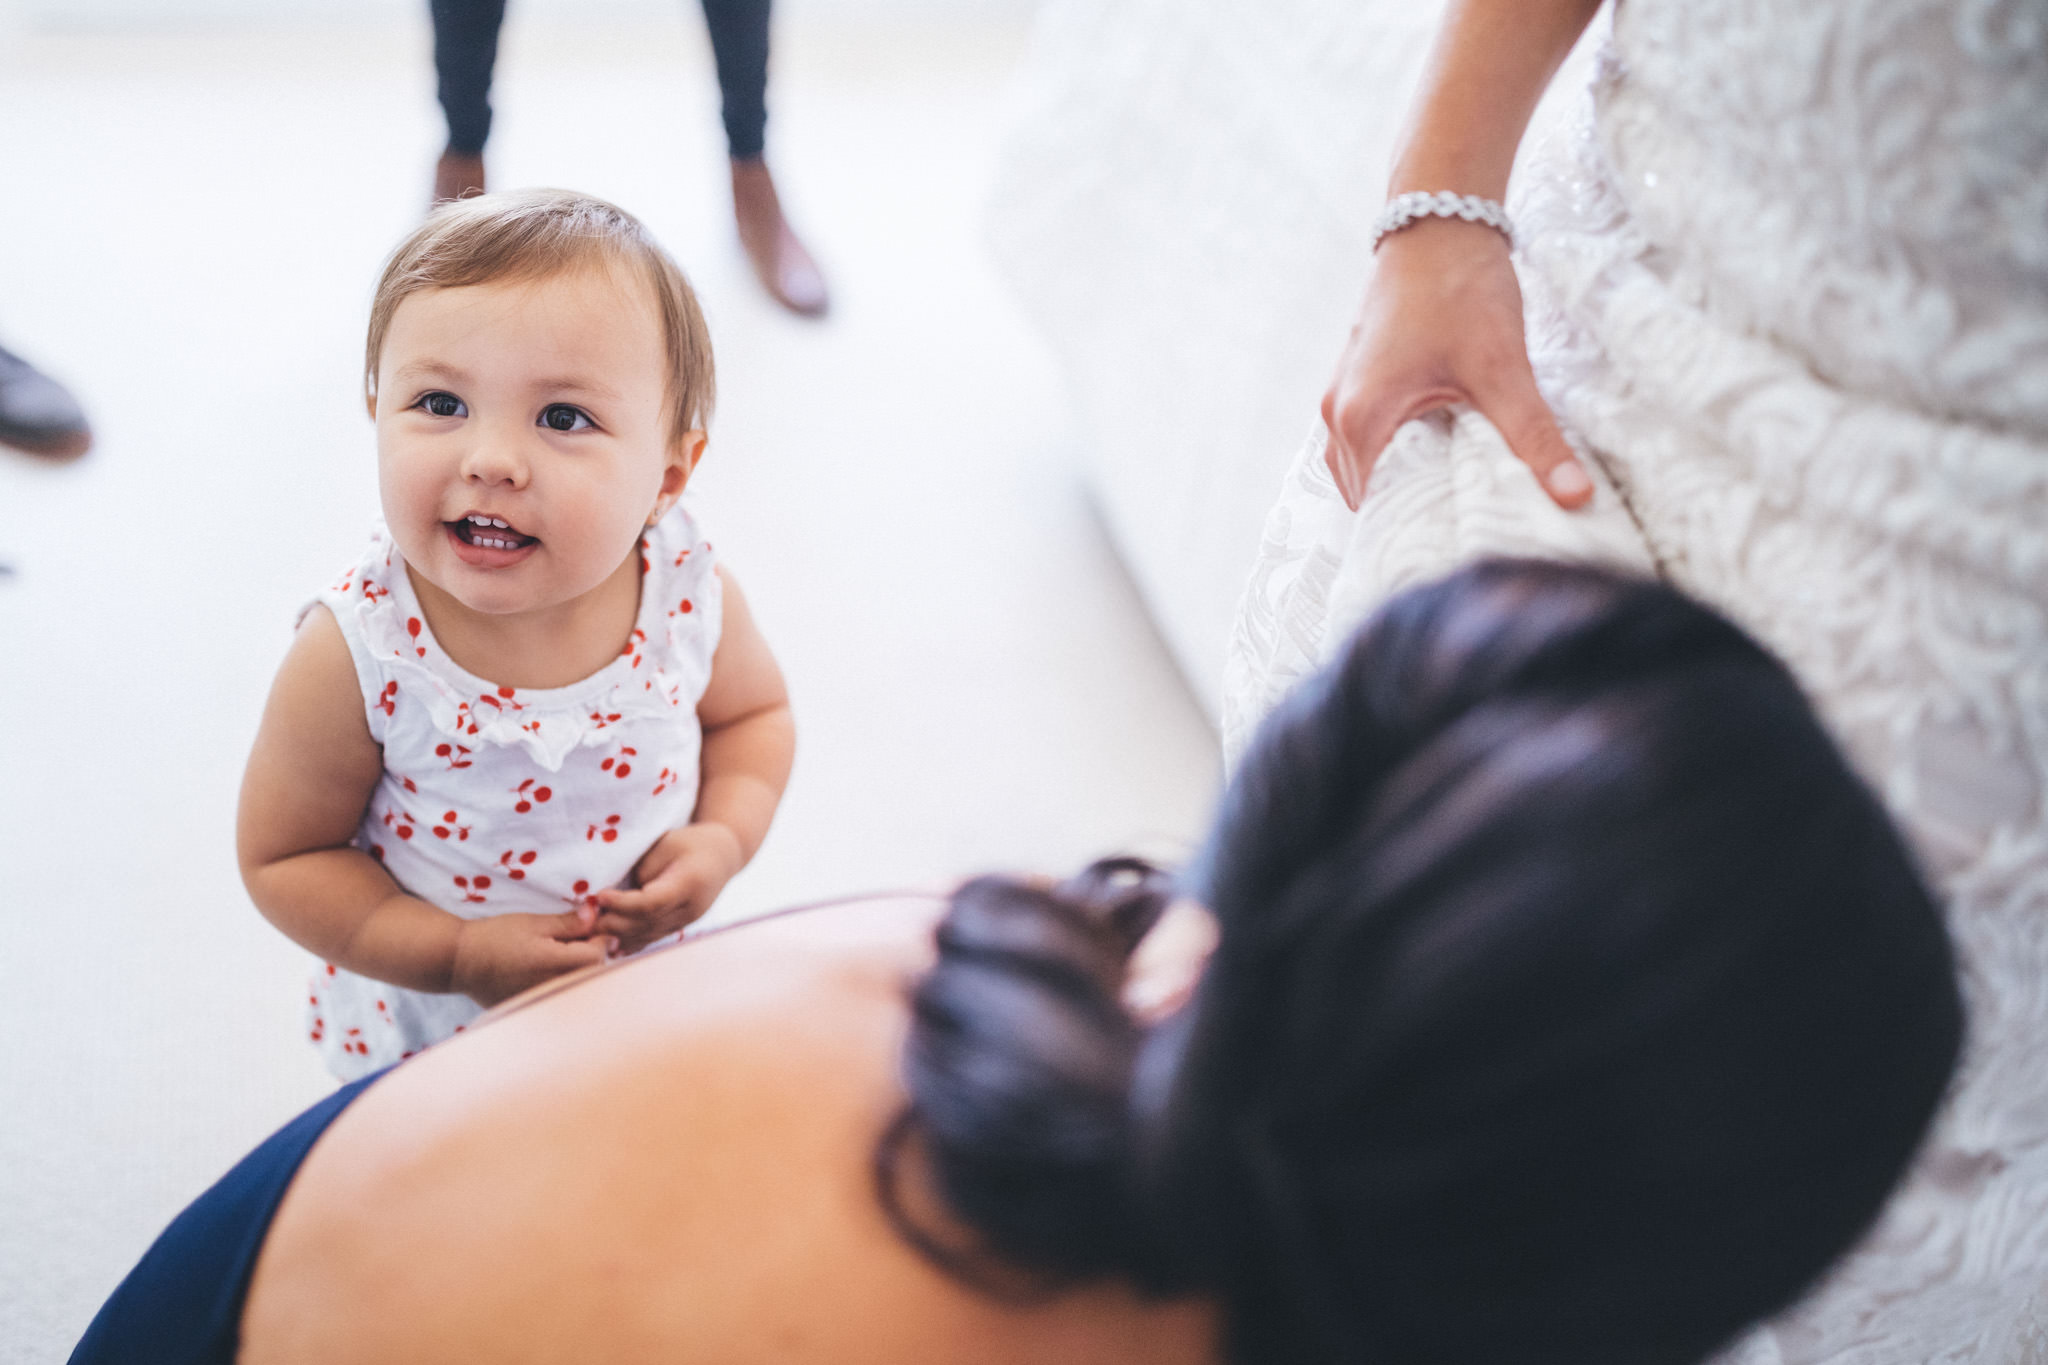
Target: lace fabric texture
<point>1786,273</point>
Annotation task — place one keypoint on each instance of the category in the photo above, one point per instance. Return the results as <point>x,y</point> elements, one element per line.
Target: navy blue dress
<point>182,1304</point>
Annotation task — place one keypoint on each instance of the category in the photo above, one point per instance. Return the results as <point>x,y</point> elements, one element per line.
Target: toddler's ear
<point>685,451</point>
<point>683,454</point>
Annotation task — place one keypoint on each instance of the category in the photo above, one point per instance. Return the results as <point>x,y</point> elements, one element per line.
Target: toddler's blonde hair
<point>531,234</point>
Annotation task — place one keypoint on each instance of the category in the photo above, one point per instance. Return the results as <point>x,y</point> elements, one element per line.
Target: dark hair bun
<point>1018,1066</point>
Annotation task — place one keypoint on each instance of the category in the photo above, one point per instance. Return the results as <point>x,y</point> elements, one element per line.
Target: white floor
<point>188,234</point>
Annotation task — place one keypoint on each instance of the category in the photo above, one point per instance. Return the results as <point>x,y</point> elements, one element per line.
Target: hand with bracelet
<point>1442,317</point>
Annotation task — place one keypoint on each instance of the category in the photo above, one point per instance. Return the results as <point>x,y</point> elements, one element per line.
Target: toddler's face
<point>523,436</point>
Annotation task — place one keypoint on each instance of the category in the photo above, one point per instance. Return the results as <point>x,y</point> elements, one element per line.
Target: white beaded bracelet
<point>1404,209</point>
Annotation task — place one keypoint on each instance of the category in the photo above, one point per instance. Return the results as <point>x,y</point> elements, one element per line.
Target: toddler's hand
<point>677,880</point>
<point>498,957</point>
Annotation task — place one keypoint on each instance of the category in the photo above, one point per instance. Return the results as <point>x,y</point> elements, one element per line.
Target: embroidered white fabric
<point>1787,284</point>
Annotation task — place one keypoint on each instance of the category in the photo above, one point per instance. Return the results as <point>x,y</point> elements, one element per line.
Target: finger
<point>619,926</point>
<point>616,898</point>
<point>1359,431</point>
<point>1517,410</point>
<point>571,925</point>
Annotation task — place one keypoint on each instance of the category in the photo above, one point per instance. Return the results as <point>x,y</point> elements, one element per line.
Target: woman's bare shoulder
<point>673,1161</point>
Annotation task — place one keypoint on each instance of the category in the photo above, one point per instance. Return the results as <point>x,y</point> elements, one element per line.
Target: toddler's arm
<point>749,744</point>
<point>310,777</point>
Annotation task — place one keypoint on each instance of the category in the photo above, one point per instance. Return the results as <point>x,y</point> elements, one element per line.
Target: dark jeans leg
<point>739,42</point>
<point>465,50</point>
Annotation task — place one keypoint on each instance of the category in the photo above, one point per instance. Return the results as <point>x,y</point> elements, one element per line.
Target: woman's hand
<point>676,881</point>
<point>1442,324</point>
<point>499,956</point>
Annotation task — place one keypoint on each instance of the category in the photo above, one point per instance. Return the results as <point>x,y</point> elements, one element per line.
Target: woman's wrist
<point>1404,211</point>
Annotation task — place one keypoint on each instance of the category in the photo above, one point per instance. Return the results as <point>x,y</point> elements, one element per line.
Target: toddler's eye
<point>562,417</point>
<point>443,405</point>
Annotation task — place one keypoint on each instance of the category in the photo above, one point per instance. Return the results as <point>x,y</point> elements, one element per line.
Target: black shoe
<point>37,414</point>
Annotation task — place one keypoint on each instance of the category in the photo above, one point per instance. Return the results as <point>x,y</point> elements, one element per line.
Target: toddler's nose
<point>494,461</point>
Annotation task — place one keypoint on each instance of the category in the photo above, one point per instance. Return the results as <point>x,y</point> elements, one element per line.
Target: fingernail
<point>1567,480</point>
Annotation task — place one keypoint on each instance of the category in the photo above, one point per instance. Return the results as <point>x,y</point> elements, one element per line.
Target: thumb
<point>1523,419</point>
<point>572,925</point>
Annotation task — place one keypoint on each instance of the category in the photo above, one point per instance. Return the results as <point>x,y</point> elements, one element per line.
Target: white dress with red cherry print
<point>497,800</point>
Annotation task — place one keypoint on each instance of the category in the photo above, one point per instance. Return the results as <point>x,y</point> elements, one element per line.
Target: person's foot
<point>39,415</point>
<point>457,175</point>
<point>780,261</point>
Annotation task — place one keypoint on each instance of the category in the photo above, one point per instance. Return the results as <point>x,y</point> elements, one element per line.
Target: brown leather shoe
<point>457,176</point>
<point>780,261</point>
<point>39,415</point>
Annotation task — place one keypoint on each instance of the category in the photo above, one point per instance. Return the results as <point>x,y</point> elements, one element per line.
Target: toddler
<point>534,723</point>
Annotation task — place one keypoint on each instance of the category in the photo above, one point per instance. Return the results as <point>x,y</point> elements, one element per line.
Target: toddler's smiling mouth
<point>488,533</point>
<point>486,542</point>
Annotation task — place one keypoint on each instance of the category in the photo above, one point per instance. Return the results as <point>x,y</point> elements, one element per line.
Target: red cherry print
<point>472,892</point>
<point>517,872</point>
<point>608,831</point>
<point>483,883</point>
<point>443,750</point>
<point>543,793</point>
<point>377,852</point>
<point>330,968</point>
<point>412,628</point>
<point>606,765</point>
<point>681,557</point>
<point>528,856</point>
<point>505,692</point>
<point>686,608</point>
<point>580,888</point>
<point>387,700</point>
<point>405,832</point>
<point>441,831</point>
<point>409,785</point>
<point>450,816</point>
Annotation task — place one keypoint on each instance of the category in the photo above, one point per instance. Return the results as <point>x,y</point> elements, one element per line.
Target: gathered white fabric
<point>498,800</point>
<point>1787,285</point>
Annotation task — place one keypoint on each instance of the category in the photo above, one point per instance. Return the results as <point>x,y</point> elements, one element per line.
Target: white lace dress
<point>1787,284</point>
